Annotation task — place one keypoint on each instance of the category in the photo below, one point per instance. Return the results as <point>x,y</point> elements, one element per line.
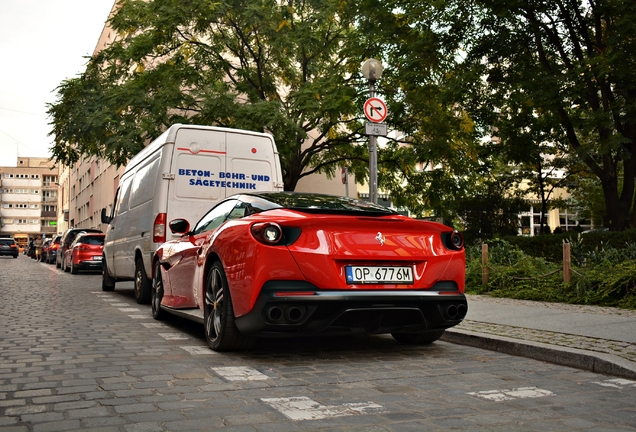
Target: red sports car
<point>301,264</point>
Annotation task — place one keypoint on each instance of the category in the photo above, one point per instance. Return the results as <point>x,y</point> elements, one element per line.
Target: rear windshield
<point>92,240</point>
<point>7,241</point>
<point>318,203</point>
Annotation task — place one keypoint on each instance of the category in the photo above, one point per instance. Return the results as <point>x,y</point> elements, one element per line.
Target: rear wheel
<point>108,282</point>
<point>157,293</point>
<point>143,285</point>
<point>422,338</point>
<point>220,329</point>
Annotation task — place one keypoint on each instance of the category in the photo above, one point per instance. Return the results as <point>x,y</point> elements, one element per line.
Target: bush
<point>550,247</point>
<point>607,276</point>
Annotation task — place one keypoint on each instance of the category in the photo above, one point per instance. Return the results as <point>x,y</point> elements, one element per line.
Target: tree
<point>279,67</point>
<point>570,64</point>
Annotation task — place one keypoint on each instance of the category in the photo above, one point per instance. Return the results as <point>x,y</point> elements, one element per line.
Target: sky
<point>42,43</point>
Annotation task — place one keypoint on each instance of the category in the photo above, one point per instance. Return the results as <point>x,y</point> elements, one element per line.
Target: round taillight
<point>457,240</point>
<point>268,232</point>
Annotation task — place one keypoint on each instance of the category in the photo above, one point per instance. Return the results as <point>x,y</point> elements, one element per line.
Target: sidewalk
<point>594,338</point>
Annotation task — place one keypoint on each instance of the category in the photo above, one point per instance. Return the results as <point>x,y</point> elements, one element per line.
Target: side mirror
<point>179,226</point>
<point>105,218</point>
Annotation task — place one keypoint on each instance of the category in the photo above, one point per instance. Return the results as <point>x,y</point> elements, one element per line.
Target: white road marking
<point>510,394</point>
<point>153,325</point>
<point>198,350</point>
<point>139,316</point>
<point>303,408</point>
<point>173,336</point>
<point>129,309</point>
<point>119,304</point>
<point>240,373</point>
<point>618,383</point>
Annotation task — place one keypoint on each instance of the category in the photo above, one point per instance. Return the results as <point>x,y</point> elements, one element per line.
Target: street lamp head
<point>372,69</point>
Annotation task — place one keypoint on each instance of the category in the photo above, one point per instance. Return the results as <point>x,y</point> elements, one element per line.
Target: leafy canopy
<point>279,67</point>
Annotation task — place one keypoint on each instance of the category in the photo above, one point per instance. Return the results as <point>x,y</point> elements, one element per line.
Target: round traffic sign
<point>375,110</point>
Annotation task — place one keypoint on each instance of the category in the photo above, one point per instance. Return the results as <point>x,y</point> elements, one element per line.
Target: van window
<point>143,186</point>
<point>121,205</point>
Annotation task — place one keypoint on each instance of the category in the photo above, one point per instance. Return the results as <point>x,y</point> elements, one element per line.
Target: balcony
<point>50,214</point>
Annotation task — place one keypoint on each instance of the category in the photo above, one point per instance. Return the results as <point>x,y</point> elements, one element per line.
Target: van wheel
<point>73,268</point>
<point>65,267</point>
<point>218,317</point>
<point>157,294</point>
<point>108,282</point>
<point>142,283</point>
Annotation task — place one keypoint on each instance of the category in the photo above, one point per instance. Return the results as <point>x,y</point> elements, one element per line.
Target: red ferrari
<point>272,263</point>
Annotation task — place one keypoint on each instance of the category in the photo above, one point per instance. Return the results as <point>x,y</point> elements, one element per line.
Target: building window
<point>569,220</point>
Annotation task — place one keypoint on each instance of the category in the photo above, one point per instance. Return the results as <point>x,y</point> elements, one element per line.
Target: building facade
<point>29,199</point>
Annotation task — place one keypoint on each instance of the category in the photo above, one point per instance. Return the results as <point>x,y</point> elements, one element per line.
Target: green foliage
<point>550,247</point>
<point>607,278</point>
<point>282,68</point>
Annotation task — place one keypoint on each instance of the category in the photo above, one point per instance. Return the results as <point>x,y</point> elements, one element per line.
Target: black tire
<point>108,282</point>
<point>220,330</point>
<point>143,285</point>
<point>157,294</point>
<point>422,338</point>
<point>57,263</point>
<point>73,268</point>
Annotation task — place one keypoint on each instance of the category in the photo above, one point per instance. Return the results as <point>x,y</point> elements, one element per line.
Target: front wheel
<point>422,338</point>
<point>108,282</point>
<point>73,268</point>
<point>157,293</point>
<point>142,283</point>
<point>220,330</point>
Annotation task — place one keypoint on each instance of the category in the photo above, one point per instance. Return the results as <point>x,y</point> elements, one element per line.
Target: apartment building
<point>29,199</point>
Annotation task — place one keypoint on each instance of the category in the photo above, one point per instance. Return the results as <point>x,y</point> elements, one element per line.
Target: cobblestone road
<point>75,358</point>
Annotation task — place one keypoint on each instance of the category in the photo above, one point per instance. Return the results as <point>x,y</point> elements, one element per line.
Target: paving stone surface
<point>70,360</point>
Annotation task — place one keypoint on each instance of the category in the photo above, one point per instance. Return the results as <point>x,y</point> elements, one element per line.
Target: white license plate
<point>379,275</point>
<point>97,258</point>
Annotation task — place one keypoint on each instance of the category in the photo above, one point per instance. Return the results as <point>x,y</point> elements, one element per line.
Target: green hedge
<point>550,246</point>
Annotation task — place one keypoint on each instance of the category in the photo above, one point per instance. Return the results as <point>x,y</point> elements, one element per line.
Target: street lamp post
<point>372,71</point>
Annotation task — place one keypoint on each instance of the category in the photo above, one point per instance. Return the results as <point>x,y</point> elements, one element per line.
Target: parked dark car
<point>85,253</point>
<point>51,253</point>
<point>45,249</point>
<point>67,238</point>
<point>8,247</point>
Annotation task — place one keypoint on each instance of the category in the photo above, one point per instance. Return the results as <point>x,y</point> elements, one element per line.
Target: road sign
<point>375,110</point>
<point>378,129</point>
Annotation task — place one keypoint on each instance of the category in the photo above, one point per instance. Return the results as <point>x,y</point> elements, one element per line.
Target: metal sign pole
<point>373,158</point>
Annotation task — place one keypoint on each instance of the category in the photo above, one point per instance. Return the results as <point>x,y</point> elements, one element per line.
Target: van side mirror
<point>179,226</point>
<point>105,218</point>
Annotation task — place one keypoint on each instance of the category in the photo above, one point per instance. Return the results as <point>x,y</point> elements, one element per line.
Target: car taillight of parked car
<point>159,229</point>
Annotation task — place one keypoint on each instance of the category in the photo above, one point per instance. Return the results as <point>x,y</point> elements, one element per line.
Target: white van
<point>181,174</point>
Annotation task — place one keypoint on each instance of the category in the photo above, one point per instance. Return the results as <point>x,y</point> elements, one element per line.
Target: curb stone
<point>591,361</point>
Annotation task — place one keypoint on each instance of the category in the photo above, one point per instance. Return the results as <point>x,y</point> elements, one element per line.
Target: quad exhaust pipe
<point>456,311</point>
<point>291,314</point>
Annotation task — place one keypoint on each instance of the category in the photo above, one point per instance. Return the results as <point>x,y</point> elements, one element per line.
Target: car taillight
<point>159,229</point>
<point>54,247</point>
<point>268,233</point>
<point>453,240</point>
<point>83,247</point>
